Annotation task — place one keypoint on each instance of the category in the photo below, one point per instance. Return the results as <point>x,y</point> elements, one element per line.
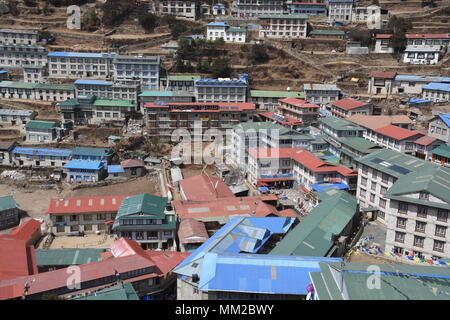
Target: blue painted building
<point>85,170</point>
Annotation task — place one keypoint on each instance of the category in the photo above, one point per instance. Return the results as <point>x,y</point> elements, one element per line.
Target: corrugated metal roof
<point>7,203</point>
<point>42,152</point>
<point>115,169</point>
<point>123,291</point>
<point>67,257</point>
<point>93,82</point>
<point>85,204</point>
<point>85,164</point>
<point>80,54</point>
<point>37,124</point>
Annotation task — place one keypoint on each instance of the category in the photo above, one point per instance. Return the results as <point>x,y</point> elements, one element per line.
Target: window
<point>101,216</point>
<point>438,245</point>
<point>420,226</point>
<point>402,207</point>
<point>422,212</point>
<point>440,231</point>
<point>401,223</point>
<point>383,190</point>
<point>423,195</point>
<point>73,218</point>
<point>418,241</point>
<point>442,215</point>
<point>382,203</point>
<point>87,217</point>
<point>400,237</point>
<point>373,186</point>
<point>385,178</point>
<point>372,198</point>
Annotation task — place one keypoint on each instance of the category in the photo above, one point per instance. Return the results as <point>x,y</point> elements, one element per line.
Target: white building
<point>36,91</point>
<point>80,65</point>
<point>340,10</point>
<point>421,55</point>
<point>221,90</point>
<point>436,92</point>
<point>144,68</point>
<point>34,73</point>
<point>252,8</point>
<point>181,8</point>
<point>382,43</point>
<point>39,157</point>
<point>16,36</point>
<point>16,117</point>
<point>222,30</point>
<point>117,90</point>
<point>16,55</point>
<point>321,94</point>
<point>411,196</point>
<point>428,39</point>
<point>345,108</point>
<point>439,127</point>
<point>288,26</point>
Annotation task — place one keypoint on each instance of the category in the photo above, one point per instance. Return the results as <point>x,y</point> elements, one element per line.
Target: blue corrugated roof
<point>80,54</point>
<point>97,82</point>
<point>326,186</point>
<point>446,118</point>
<point>42,152</point>
<point>218,24</point>
<point>437,86</point>
<point>85,164</point>
<point>258,273</point>
<point>419,101</point>
<point>115,169</point>
<point>421,78</point>
<point>239,234</point>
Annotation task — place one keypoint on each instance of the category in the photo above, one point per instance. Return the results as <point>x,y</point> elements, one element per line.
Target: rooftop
<point>84,164</point>
<point>42,152</point>
<point>337,123</point>
<point>376,122</point>
<point>192,231</point>
<point>85,204</point>
<point>396,133</point>
<point>349,104</point>
<point>204,187</point>
<point>37,124</point>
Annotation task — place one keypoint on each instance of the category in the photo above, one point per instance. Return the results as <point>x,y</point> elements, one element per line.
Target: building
<point>336,217</point>
<point>16,117</point>
<point>80,65</point>
<point>373,15</point>
<point>340,10</point>
<point>123,89</point>
<point>441,155</point>
<point>222,30</point>
<point>288,26</point>
<point>395,138</point>
<point>321,94</point>
<point>347,107</point>
<point>165,97</point>
<point>36,91</point>
<point>120,292</point>
<point>381,82</point>
<point>203,187</point>
<point>17,55</point>
<point>16,36</point>
<point>191,234</point>
<point>327,34</point>
<point>337,128</point>
<point>221,90</point>
<point>309,8</point>
<point>178,82</point>
<point>133,168</point>
<point>41,131</point>
<point>301,110</point>
<point>349,149</point>
<point>92,154</point>
<point>85,170</point>
<point>4,74</point>
<point>9,213</point>
<point>343,282</point>
<point>143,68</point>
<point>91,110</point>
<point>276,117</point>
<point>383,43</point>
<point>39,158</point>
<point>34,73</point>
<point>421,55</point>
<point>439,127</point>
<point>268,99</point>
<point>436,92</point>
<point>5,152</point>
<point>429,39</point>
<point>180,8</point>
<point>413,84</point>
<point>249,8</point>
<point>144,218</point>
<point>195,117</point>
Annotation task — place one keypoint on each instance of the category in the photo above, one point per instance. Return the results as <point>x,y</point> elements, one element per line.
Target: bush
<point>148,21</point>
<point>90,21</point>
<point>258,54</point>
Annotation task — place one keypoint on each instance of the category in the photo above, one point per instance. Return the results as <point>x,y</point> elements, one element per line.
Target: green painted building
<point>9,213</point>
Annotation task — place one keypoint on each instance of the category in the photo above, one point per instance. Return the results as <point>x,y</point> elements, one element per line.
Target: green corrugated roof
<point>86,151</point>
<point>145,203</point>
<point>443,151</point>
<point>182,77</point>
<point>65,257</point>
<point>312,236</point>
<point>284,16</point>
<point>156,94</point>
<point>245,126</point>
<point>119,292</point>
<point>38,86</point>
<point>37,124</point>
<point>360,144</point>
<point>236,29</point>
<point>7,203</point>
<point>330,32</point>
<point>276,94</point>
<point>113,103</point>
<point>340,124</point>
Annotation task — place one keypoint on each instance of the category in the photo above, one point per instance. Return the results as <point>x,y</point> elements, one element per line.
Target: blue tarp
<point>419,101</point>
<point>263,189</point>
<point>322,186</point>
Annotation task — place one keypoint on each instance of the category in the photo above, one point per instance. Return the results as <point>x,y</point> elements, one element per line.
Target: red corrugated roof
<point>299,103</point>
<point>396,133</point>
<point>26,230</point>
<point>427,36</point>
<point>132,163</point>
<point>383,36</point>
<point>425,140</point>
<point>17,259</point>
<point>192,231</point>
<point>203,187</point>
<point>222,106</point>
<point>288,120</point>
<point>85,204</point>
<point>348,104</point>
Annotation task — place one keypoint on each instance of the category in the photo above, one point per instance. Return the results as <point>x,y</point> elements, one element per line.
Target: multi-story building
<point>41,131</point>
<point>222,30</point>
<point>16,117</point>
<point>436,92</point>
<point>165,97</point>
<point>34,73</point>
<point>85,171</point>
<point>288,26</point>
<point>309,8</point>
<point>268,100</point>
<point>395,138</point>
<point>371,123</point>
<point>301,110</point>
<point>36,91</point>
<point>5,152</point>
<point>321,94</point>
<point>327,34</point>
<point>118,90</point>
<point>411,197</point>
<point>252,8</point>
<point>163,119</point>
<point>381,82</point>
<point>80,65</point>
<point>441,155</point>
<point>92,154</point>
<point>16,55</point>
<point>340,10</point>
<point>17,36</point>
<point>178,82</point>
<point>9,213</point>
<point>144,68</point>
<point>439,127</point>
<point>347,107</point>
<point>429,39</point>
<point>180,8</point>
<point>221,90</point>
<point>383,43</point>
<point>421,55</point>
<point>90,110</point>
<point>337,128</point>
<point>145,219</point>
<point>40,158</point>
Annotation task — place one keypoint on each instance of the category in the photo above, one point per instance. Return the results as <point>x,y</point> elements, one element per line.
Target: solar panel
<point>377,160</point>
<point>399,169</point>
